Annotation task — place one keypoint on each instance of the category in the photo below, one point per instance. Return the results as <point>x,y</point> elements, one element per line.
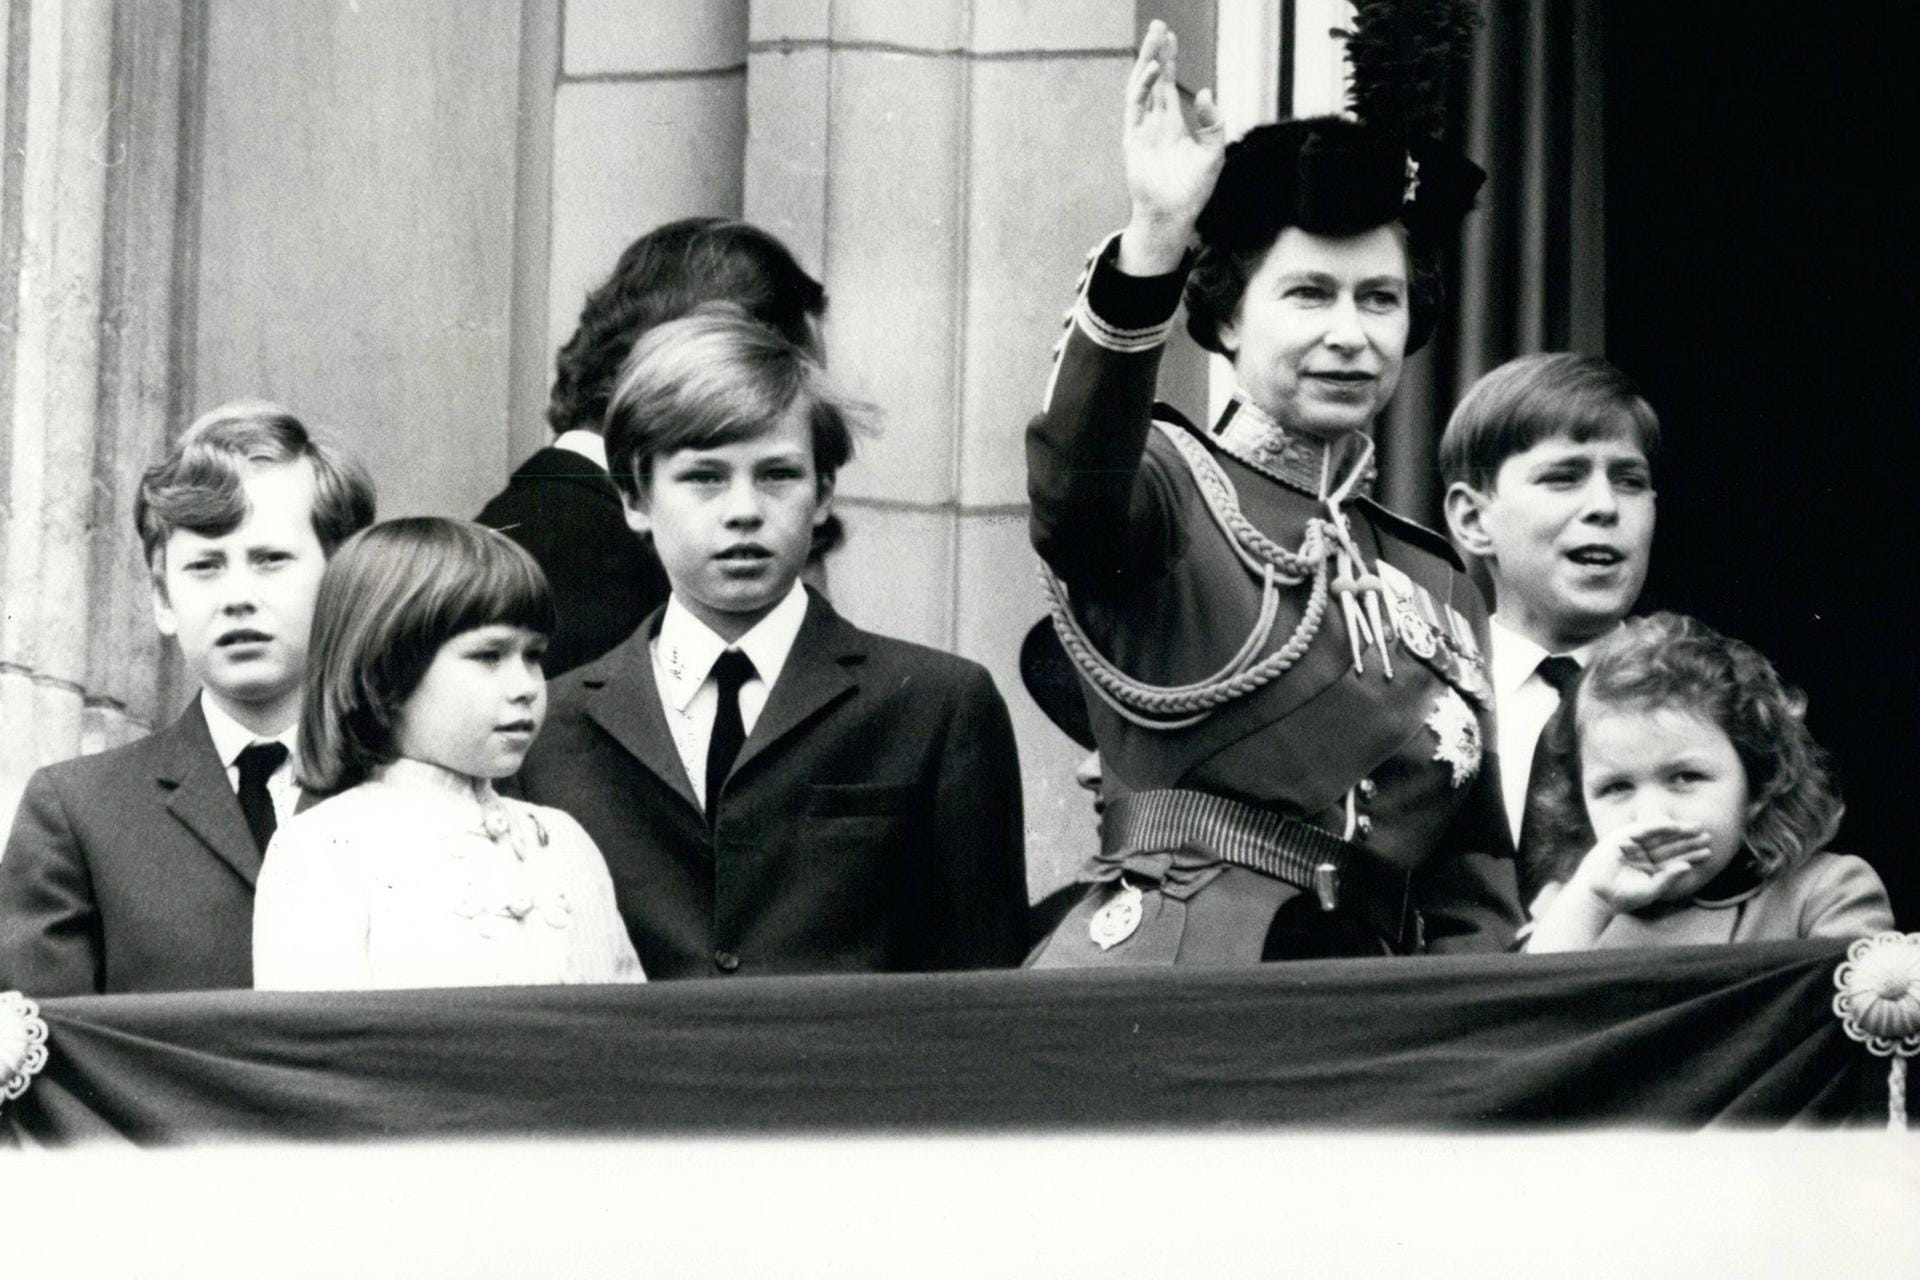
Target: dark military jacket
<point>1118,515</point>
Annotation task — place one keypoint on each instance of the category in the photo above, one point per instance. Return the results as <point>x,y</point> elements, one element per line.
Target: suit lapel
<point>201,797</point>
<point>623,699</point>
<point>818,673</point>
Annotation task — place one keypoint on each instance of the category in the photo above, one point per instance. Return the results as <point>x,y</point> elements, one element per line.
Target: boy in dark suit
<point>561,504</point>
<point>133,870</point>
<point>1548,462</point>
<point>775,790</point>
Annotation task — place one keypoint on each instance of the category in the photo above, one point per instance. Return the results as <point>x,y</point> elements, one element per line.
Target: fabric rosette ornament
<point>1879,1005</point>
<point>23,1044</point>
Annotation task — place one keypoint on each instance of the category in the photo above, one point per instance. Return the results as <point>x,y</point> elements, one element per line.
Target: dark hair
<point>663,275</point>
<point>388,601</point>
<point>198,486</point>
<point>1669,661</point>
<point>1558,394</point>
<point>716,377</point>
<point>1220,274</point>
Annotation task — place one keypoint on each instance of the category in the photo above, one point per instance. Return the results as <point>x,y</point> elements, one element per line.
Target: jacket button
<point>1366,789</point>
<point>726,961</point>
<point>1362,827</point>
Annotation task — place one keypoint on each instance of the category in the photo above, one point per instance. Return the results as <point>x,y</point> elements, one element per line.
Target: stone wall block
<point>895,573</point>
<point>893,260</point>
<point>937,27</point>
<point>787,178</point>
<point>999,598</point>
<point>356,231</point>
<point>1028,233</point>
<point>623,37</point>
<point>1000,26</point>
<point>627,157</point>
<point>771,20</point>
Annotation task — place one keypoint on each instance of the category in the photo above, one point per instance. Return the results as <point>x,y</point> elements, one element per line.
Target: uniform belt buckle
<point>1326,885</point>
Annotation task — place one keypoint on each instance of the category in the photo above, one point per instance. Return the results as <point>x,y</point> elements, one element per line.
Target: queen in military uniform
<point>1285,679</point>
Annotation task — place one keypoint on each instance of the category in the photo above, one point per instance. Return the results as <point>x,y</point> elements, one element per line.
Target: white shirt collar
<point>1517,657</point>
<point>230,737</point>
<point>588,444</point>
<point>688,647</point>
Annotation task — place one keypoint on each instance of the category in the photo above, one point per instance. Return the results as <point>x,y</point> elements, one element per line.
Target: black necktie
<point>257,764</point>
<point>1562,673</point>
<point>732,670</point>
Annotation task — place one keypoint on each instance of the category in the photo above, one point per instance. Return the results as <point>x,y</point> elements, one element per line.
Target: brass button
<point>726,961</point>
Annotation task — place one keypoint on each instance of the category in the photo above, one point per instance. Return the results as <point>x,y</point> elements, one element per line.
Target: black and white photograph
<point>958,637</point>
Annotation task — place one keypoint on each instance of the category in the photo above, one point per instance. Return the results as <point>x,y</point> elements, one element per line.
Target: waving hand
<point>1171,169</point>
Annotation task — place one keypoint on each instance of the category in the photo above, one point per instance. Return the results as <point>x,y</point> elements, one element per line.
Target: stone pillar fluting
<point>648,126</point>
<point>93,133</point>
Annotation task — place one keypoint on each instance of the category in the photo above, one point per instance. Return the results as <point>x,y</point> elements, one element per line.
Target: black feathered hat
<point>1336,176</point>
<point>1048,673</point>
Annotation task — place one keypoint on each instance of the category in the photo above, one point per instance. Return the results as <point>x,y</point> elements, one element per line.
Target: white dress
<point>425,878</point>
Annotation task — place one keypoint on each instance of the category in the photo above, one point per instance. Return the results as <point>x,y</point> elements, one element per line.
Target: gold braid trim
<point>1168,707</point>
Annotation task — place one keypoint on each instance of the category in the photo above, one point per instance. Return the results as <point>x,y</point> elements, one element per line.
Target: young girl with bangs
<point>423,688</point>
<point>1686,773</point>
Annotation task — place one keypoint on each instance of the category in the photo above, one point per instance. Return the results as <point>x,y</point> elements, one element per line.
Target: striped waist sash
<point>1342,875</point>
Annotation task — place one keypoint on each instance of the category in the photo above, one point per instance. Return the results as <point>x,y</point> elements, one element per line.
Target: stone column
<point>944,168</point>
<point>357,208</point>
<point>89,355</point>
<point>649,126</point>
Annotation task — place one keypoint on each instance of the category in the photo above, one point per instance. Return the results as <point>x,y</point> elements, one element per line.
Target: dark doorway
<point>1762,275</point>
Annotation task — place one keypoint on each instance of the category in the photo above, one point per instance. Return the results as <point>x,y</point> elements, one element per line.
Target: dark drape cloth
<point>1529,273</point>
<point>1679,1037</point>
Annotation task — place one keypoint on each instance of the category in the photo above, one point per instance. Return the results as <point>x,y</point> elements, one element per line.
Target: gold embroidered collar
<point>1308,463</point>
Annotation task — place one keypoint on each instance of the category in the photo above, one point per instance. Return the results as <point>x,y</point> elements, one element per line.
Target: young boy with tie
<point>561,505</point>
<point>1548,466</point>
<point>133,870</point>
<point>775,790</point>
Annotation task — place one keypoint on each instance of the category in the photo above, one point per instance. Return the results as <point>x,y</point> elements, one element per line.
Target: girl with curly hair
<point>1686,773</point>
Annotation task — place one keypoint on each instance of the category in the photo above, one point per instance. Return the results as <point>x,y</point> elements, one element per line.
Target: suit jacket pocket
<point>859,799</point>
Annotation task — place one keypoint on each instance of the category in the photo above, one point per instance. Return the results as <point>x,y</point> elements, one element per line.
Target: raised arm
<point>1098,516</point>
<point>1630,868</point>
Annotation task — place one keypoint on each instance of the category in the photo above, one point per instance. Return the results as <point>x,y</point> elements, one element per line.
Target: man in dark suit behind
<point>133,870</point>
<point>561,505</point>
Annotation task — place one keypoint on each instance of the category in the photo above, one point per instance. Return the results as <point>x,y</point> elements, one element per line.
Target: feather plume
<point>1406,55</point>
